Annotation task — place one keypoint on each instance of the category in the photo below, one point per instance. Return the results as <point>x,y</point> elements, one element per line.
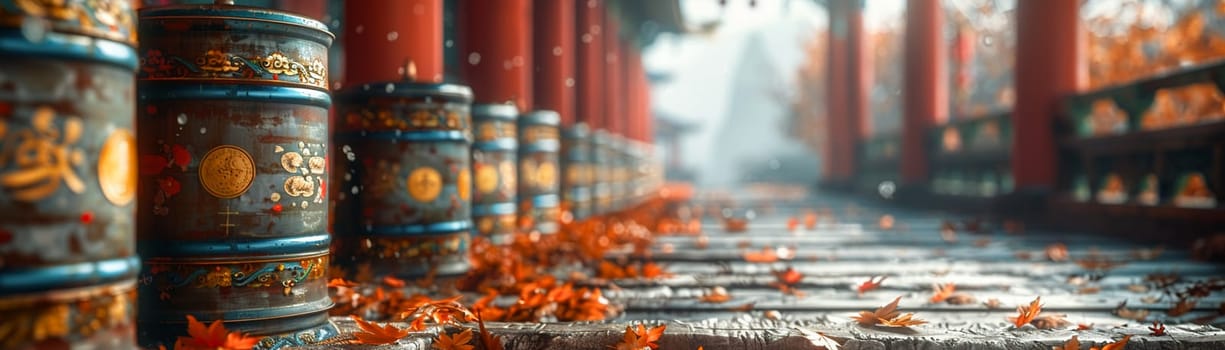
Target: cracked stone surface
<point>838,255</point>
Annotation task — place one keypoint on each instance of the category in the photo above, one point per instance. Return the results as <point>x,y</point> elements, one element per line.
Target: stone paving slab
<point>837,256</point>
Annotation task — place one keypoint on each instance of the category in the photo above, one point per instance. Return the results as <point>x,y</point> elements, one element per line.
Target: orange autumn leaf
<point>792,224</point>
<point>1026,314</point>
<point>941,292</point>
<point>642,337</point>
<point>1118,345</point>
<point>488,340</point>
<point>886,222</point>
<point>458,341</point>
<point>716,295</point>
<point>735,225</point>
<point>652,270</point>
<point>373,334</point>
<point>393,282</point>
<point>1070,344</point>
<point>1182,307</point>
<point>1057,252</point>
<point>887,316</point>
<point>341,283</point>
<point>810,221</point>
<point>1157,329</point>
<point>213,337</point>
<point>789,277</point>
<point>870,284</point>
<point>765,255</point>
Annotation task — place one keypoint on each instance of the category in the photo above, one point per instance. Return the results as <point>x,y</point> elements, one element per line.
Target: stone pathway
<point>851,247</point>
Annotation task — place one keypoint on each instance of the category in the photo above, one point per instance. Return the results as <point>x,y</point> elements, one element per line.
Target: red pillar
<point>496,51</point>
<point>614,111</point>
<point>589,70</point>
<point>1047,68</point>
<point>553,54</point>
<point>634,98</point>
<point>925,93</point>
<point>847,107</point>
<point>381,36</point>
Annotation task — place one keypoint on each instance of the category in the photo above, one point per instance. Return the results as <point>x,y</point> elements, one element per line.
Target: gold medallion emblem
<point>546,175</point>
<point>424,184</point>
<point>117,167</point>
<point>463,184</point>
<point>486,179</point>
<point>527,170</point>
<point>226,171</point>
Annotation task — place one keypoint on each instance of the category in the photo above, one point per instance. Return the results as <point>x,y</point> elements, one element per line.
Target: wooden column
<point>553,55</point>
<point>589,64</point>
<point>847,107</point>
<point>634,99</point>
<point>381,36</point>
<point>1047,68</point>
<point>614,106</point>
<point>925,89</point>
<point>317,9</point>
<point>496,51</point>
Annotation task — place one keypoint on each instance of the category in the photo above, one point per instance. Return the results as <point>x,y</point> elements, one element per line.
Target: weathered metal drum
<point>618,150</point>
<point>67,175</point>
<point>232,201</point>
<point>601,171</point>
<point>403,180</point>
<point>539,144</point>
<point>493,169</point>
<point>576,165</point>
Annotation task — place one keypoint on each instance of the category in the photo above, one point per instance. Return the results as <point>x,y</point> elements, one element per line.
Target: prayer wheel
<point>403,167</point>
<point>494,170</point>
<point>576,184</point>
<point>539,144</point>
<point>232,200</point>
<point>68,265</point>
<point>601,171</point>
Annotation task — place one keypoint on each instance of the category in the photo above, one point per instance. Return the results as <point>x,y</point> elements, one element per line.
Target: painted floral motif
<point>451,245</point>
<point>307,169</point>
<point>277,274</point>
<point>111,19</point>
<point>216,63</point>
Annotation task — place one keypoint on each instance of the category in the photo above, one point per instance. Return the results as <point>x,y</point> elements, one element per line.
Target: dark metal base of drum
<point>407,257</point>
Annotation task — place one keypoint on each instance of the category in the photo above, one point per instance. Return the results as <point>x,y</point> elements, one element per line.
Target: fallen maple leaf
<point>887,316</point>
<point>870,284</point>
<point>716,295</point>
<point>1050,322</point>
<point>459,341</point>
<point>393,282</point>
<point>1124,312</point>
<point>789,276</point>
<point>940,292</point>
<point>641,338</point>
<point>1057,252</point>
<point>810,221</point>
<point>886,222</point>
<point>488,340</point>
<point>373,334</point>
<point>765,255</point>
<point>792,224</point>
<point>1084,326</point>
<point>1182,307</point>
<point>992,303</point>
<point>1158,329</point>
<point>1025,314</point>
<point>1070,344</point>
<point>213,337</point>
<point>1118,345</point>
<point>341,283</point>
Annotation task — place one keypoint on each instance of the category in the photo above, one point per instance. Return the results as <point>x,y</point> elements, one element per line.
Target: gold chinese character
<point>43,157</point>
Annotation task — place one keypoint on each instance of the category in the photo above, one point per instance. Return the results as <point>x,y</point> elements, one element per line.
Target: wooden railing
<point>971,157</point>
<point>879,160</point>
<point>1154,145</point>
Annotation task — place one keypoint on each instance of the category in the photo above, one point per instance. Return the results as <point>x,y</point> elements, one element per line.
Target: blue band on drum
<point>411,136</point>
<point>493,209</point>
<point>545,201</point>
<point>270,247</point>
<point>189,90</point>
<point>542,146</point>
<point>505,144</point>
<point>447,227</point>
<point>74,47</point>
<point>27,280</point>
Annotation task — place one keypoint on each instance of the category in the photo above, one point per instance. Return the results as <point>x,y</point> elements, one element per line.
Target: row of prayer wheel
<point>212,185</point>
